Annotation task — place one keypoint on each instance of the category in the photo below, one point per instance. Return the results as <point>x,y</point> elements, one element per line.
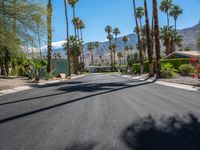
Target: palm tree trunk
<point>149,45</point>
<point>67,30</point>
<point>92,58</point>
<point>124,54</point>
<point>49,31</point>
<point>83,60</point>
<point>111,55</point>
<point>168,19</point>
<point>175,21</point>
<point>74,16</point>
<point>139,42</point>
<point>157,39</point>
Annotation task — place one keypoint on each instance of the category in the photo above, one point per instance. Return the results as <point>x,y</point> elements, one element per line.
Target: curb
<point>23,88</point>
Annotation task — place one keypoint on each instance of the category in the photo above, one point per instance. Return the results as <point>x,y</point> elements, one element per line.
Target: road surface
<point>99,112</point>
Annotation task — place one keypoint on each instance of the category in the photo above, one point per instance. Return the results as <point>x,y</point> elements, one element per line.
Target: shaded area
<point>116,87</point>
<point>172,133</point>
<point>84,146</point>
<point>90,87</point>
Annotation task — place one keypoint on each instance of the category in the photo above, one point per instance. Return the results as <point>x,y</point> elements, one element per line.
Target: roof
<point>186,53</point>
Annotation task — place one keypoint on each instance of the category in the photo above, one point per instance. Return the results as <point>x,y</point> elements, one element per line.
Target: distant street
<point>97,112</point>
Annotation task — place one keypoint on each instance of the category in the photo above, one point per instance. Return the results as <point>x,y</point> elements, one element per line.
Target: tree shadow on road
<point>172,133</point>
<point>105,88</point>
<point>84,146</point>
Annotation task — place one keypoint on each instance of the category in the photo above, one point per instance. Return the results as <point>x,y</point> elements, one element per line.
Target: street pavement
<point>100,112</point>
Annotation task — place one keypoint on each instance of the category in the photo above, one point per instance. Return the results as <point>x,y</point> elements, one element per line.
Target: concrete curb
<point>23,88</point>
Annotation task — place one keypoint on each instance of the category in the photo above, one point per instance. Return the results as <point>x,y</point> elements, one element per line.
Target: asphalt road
<point>100,112</point>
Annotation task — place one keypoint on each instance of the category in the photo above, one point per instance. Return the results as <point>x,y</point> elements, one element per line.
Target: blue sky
<point>117,13</point>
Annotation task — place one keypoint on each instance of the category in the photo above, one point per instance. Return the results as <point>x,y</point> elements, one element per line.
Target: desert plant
<point>186,69</point>
<point>168,70</point>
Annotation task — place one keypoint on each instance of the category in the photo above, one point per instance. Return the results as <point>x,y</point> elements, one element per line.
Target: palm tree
<point>157,38</point>
<point>108,30</point>
<point>120,56</point>
<point>37,19</point>
<point>165,7</point>
<point>114,47</point>
<point>175,12</point>
<point>116,32</point>
<point>149,41</point>
<point>127,48</point>
<point>73,4</point>
<point>139,41</point>
<point>67,44</point>
<point>91,48</point>
<point>140,14</point>
<point>81,27</point>
<point>96,45</point>
<point>76,23</point>
<point>75,51</point>
<point>125,39</point>
<point>49,31</point>
<point>166,34</point>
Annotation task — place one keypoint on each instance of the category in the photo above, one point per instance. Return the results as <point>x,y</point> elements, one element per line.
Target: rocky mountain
<point>189,36</point>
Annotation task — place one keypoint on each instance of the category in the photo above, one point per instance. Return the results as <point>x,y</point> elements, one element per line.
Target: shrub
<point>176,63</point>
<point>186,69</point>
<point>168,70</point>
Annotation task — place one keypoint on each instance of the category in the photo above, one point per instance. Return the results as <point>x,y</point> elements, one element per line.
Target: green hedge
<point>175,62</point>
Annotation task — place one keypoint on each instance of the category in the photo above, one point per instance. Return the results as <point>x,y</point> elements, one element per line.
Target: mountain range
<point>189,40</point>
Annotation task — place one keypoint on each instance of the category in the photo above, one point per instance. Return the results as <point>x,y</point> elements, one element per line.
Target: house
<point>184,54</point>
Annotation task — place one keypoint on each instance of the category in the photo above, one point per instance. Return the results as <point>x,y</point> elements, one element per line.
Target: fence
<point>60,66</point>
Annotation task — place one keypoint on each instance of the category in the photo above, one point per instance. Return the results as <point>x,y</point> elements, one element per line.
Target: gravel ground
<point>12,82</point>
<point>183,80</point>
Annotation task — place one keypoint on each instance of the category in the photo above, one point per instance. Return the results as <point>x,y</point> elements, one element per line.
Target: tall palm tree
<point>165,7</point>
<point>73,4</point>
<point>139,40</point>
<point>75,51</point>
<point>116,32</point>
<point>149,41</point>
<point>49,31</point>
<point>157,38</point>
<point>96,45</point>
<point>114,48</point>
<point>108,30</point>
<point>166,34</point>
<point>81,27</point>
<point>37,19</point>
<point>76,23</point>
<point>127,48</point>
<point>67,44</point>
<point>120,56</point>
<point>175,12</point>
<point>91,48</point>
<point>125,39</point>
<point>140,14</point>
